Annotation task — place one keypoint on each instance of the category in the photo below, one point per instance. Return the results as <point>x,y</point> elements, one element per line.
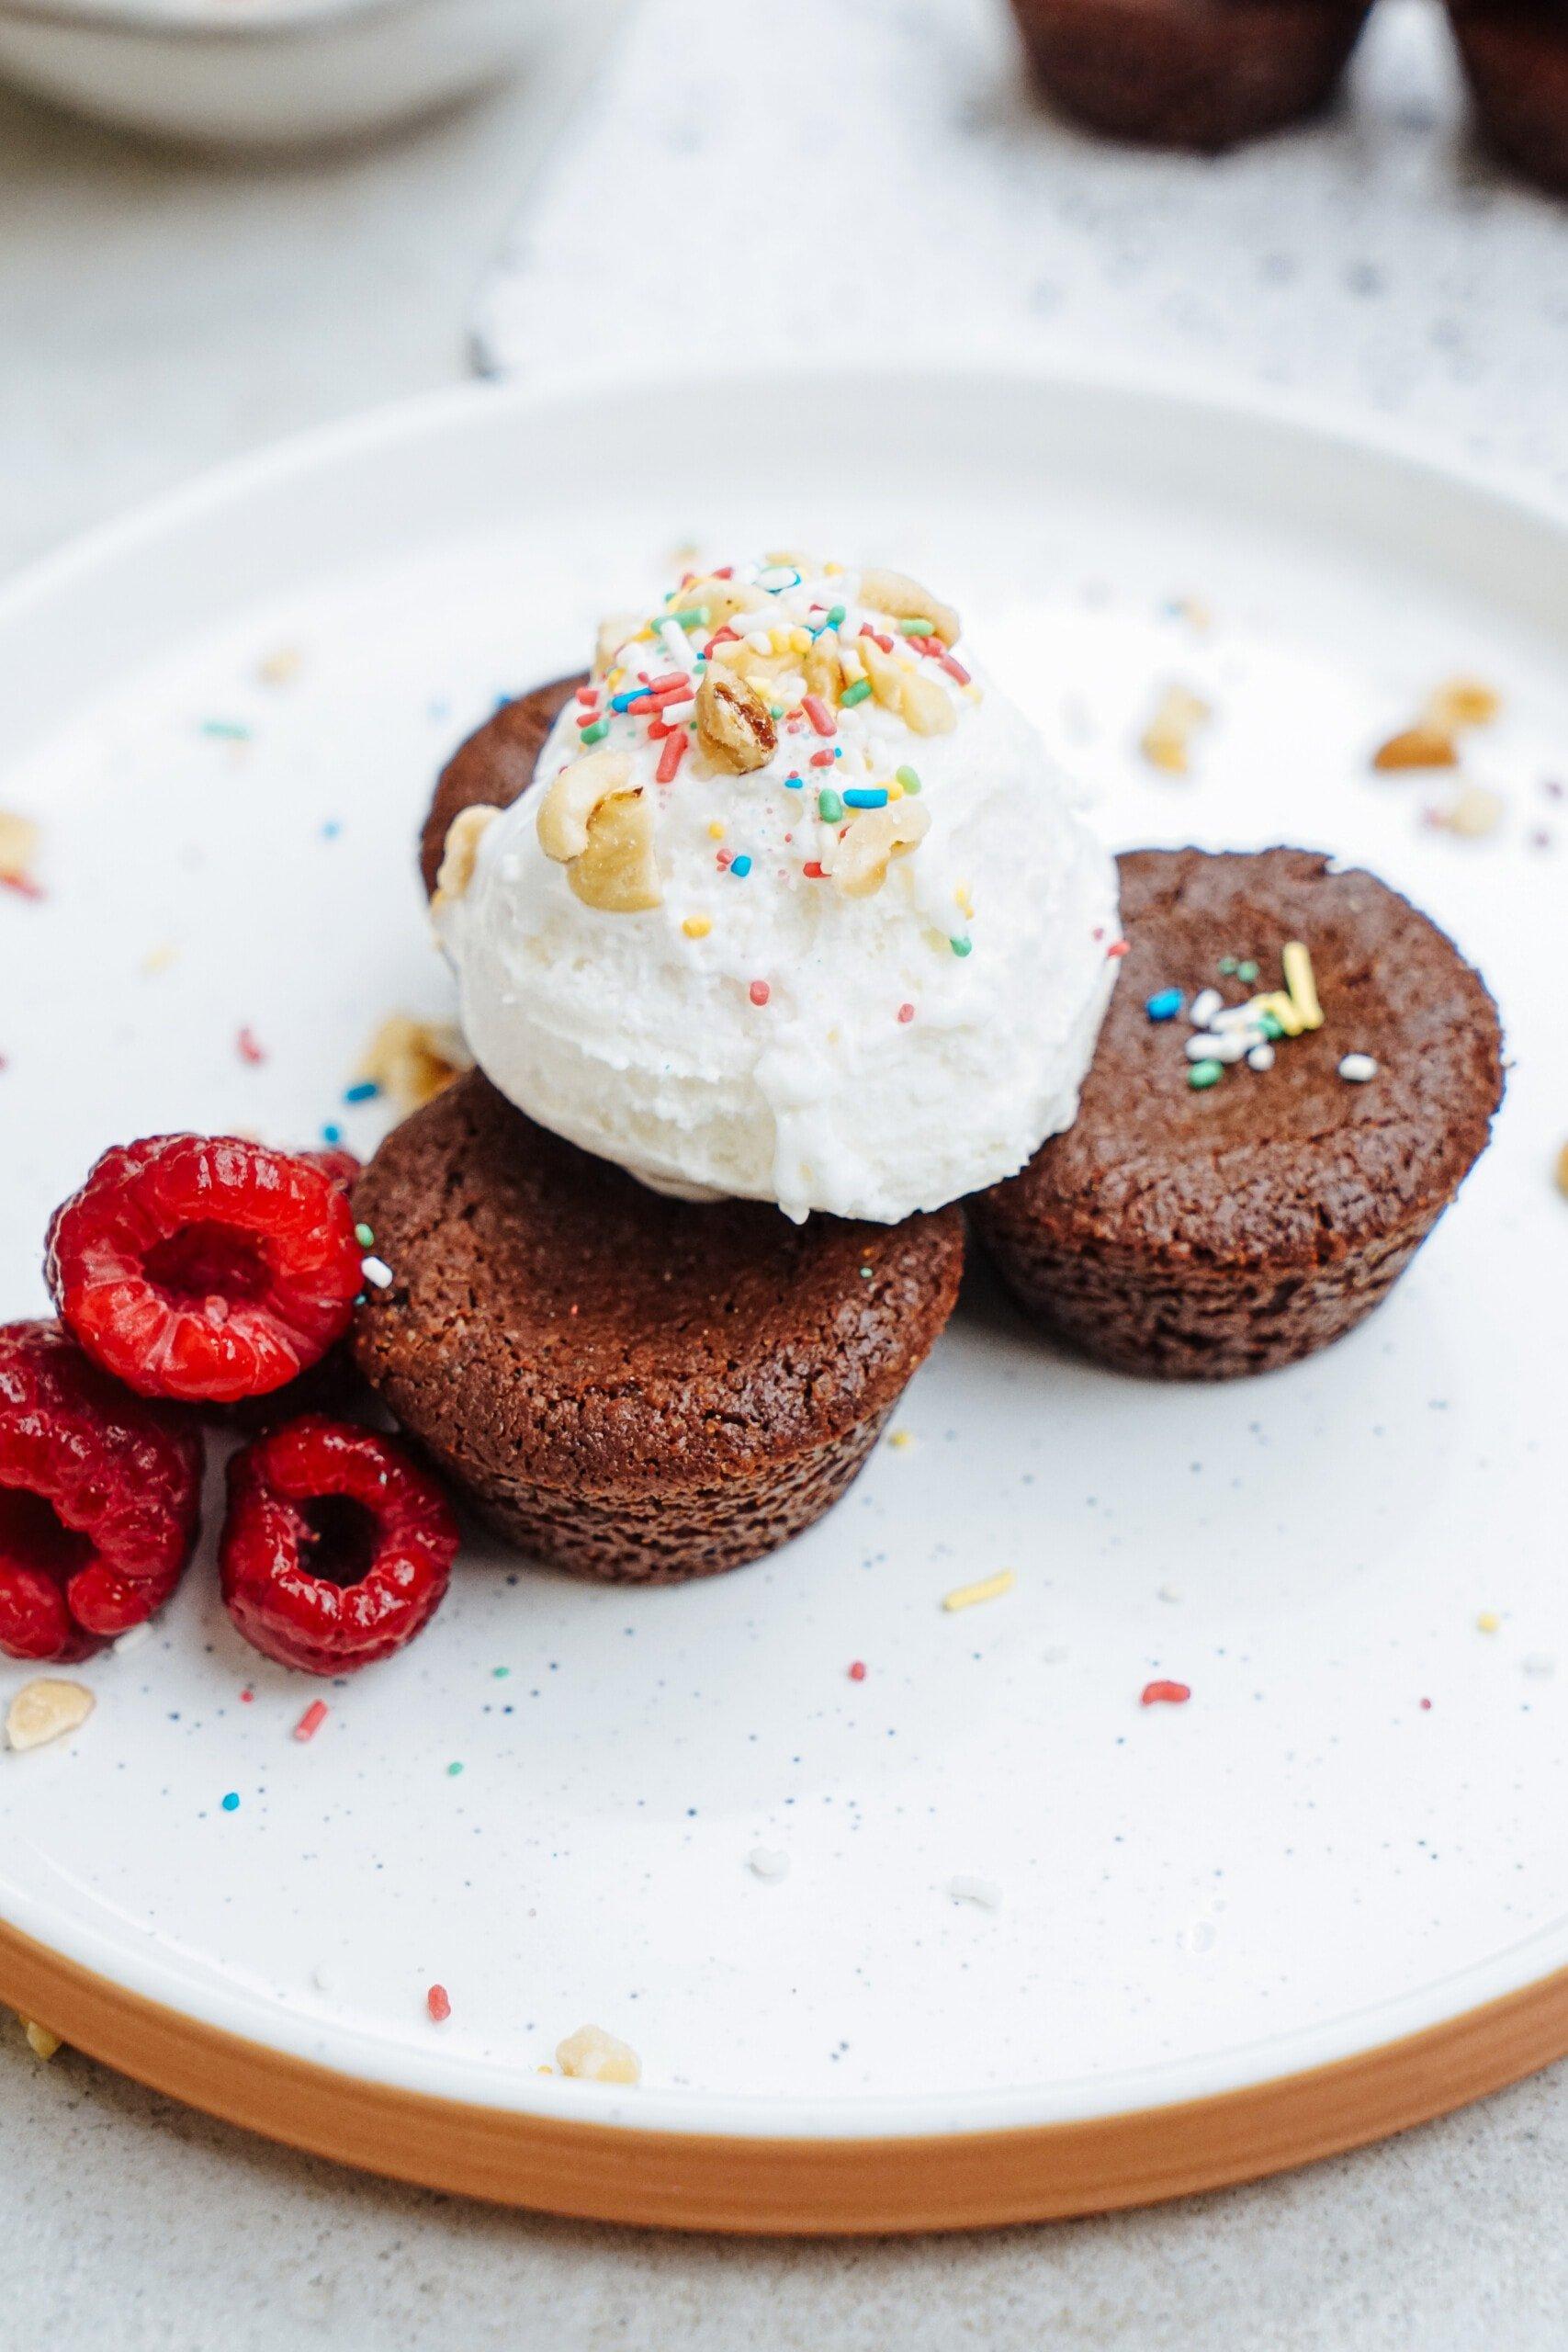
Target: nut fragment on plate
<point>735,726</point>
<point>1166,740</point>
<point>1473,812</point>
<point>45,1710</point>
<point>1421,746</point>
<point>412,1061</point>
<point>1457,704</point>
<point>19,845</point>
<point>595,2056</point>
<point>1562,1171</point>
<point>1463,702</point>
<point>40,2042</point>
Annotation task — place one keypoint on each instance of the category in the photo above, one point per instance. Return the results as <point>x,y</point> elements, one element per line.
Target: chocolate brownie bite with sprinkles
<point>628,1386</point>
<point>1297,1073</point>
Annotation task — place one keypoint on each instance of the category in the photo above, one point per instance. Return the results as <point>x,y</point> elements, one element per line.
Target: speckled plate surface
<point>225,718</point>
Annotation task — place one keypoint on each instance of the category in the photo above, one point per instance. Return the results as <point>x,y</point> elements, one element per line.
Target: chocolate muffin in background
<point>495,764</point>
<point>627,1386</point>
<point>1515,55</point>
<point>1204,74</point>
<point>1203,1219</point>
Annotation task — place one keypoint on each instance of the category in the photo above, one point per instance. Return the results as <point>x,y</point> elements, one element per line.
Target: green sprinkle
<point>857,693</point>
<point>501,1672</point>
<point>960,946</point>
<point>597,732</point>
<point>364,1236</point>
<point>836,616</point>
<point>909,779</point>
<point>228,730</point>
<point>1227,964</point>
<point>829,807</point>
<point>694,616</point>
<point>1247,971</point>
<point>1202,1074</point>
<point>453,1771</point>
<point>775,710</point>
<point>1271,1028</point>
<point>922,626</point>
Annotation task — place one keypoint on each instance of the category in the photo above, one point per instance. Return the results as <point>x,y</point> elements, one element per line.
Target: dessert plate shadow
<point>1034,1948</point>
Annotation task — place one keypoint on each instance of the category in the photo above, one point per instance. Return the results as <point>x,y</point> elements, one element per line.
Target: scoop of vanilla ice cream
<point>762,1030</point>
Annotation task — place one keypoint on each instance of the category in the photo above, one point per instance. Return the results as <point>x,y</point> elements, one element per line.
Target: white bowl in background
<point>263,73</point>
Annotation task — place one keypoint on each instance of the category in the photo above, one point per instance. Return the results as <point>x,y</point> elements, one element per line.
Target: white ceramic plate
<point>548,1802</point>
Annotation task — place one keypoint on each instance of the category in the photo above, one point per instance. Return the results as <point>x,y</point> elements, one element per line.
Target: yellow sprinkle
<point>717,829</point>
<point>800,640</point>
<point>281,668</point>
<point>901,1439</point>
<point>962,899</point>
<point>696,926</point>
<point>895,789</point>
<point>1488,1621</point>
<point>1285,1011</point>
<point>989,1588</point>
<point>40,2042</point>
<point>158,959</point>
<point>1299,979</point>
<point>831,570</point>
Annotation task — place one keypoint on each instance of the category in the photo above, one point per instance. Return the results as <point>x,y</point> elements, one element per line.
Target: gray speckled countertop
<point>156,315</point>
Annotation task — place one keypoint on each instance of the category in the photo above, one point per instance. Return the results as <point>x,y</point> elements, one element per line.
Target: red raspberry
<point>336,1549</point>
<point>205,1267</point>
<point>335,1161</point>
<point>100,1496</point>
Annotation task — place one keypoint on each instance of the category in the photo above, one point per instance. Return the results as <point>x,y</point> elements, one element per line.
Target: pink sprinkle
<point>671,757</point>
<point>819,714</point>
<point>246,1697</point>
<point>23,885</point>
<point>1426,1706</point>
<point>249,1050</point>
<point>760,992</point>
<point>311,1722</point>
<point>814,870</point>
<point>1164,1694</point>
<point>955,670</point>
<point>905,1013</point>
<point>1118,947</point>
<point>821,759</point>
<point>438,2003</point>
<point>857,1671</point>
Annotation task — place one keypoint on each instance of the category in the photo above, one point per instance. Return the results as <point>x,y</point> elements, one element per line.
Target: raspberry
<point>205,1268</point>
<point>335,1161</point>
<point>336,1549</point>
<point>100,1497</point>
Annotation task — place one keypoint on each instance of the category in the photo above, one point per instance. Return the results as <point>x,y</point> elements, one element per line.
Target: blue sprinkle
<point>1165,1005</point>
<point>363,1090</point>
<point>740,867</point>
<point>231,1802</point>
<point>792,784</point>
<point>872,795</point>
<point>332,1132</point>
<point>625,702</point>
<point>330,829</point>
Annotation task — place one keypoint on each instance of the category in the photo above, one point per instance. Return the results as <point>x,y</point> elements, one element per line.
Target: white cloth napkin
<point>870,179</point>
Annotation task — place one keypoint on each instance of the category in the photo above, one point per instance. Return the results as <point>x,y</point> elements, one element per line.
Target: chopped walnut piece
<point>1422,746</point>
<point>46,1710</point>
<point>412,1061</point>
<point>1167,740</point>
<point>595,2056</point>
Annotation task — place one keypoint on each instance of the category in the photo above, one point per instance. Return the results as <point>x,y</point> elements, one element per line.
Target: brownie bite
<point>628,1386</point>
<point>1203,74</point>
<point>1205,1217</point>
<point>494,765</point>
<point>1515,55</point>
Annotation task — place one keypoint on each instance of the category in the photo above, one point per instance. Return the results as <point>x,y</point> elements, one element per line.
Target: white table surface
<point>156,315</point>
